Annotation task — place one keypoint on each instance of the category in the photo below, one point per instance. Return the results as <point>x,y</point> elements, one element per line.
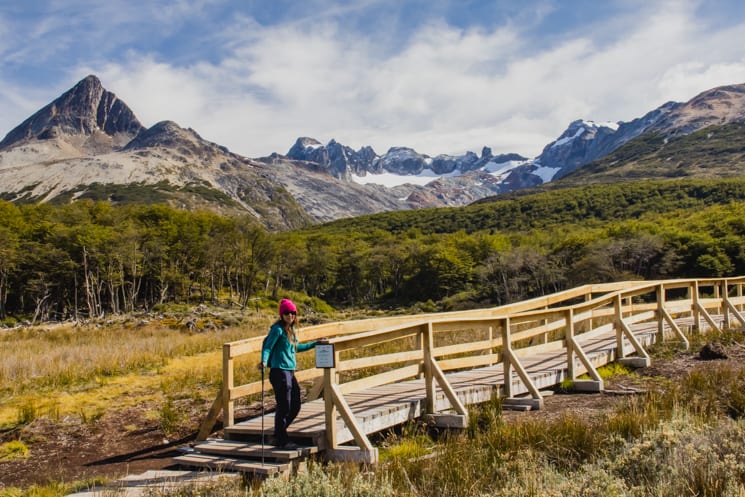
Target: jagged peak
<point>89,81</point>
<point>306,141</point>
<point>84,110</point>
<point>164,133</point>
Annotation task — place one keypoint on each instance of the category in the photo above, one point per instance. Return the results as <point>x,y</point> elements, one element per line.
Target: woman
<point>278,352</point>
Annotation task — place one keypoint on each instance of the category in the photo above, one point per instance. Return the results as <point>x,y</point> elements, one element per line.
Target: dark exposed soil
<point>122,442</point>
<point>127,441</point>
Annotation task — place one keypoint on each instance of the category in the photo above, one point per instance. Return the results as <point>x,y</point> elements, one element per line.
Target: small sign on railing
<point>325,355</point>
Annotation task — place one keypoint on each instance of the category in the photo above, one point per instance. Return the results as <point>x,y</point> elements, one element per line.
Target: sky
<point>438,76</point>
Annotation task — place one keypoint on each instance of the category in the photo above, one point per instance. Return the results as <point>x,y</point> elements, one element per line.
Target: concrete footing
<point>636,362</point>
<point>525,404</point>
<point>588,386</point>
<point>352,454</point>
<point>455,421</point>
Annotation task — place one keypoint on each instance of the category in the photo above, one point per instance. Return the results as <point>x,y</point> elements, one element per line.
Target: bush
<point>335,481</point>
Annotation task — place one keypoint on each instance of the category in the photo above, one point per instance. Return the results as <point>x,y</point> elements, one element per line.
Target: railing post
<point>419,345</point>
<point>228,382</point>
<point>429,383</point>
<point>617,303</point>
<point>694,306</point>
<point>723,309</point>
<point>329,378</point>
<point>660,314</point>
<point>570,343</point>
<point>507,357</point>
<point>491,343</point>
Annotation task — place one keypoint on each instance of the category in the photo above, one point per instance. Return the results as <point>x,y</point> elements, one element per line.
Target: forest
<point>91,259</point>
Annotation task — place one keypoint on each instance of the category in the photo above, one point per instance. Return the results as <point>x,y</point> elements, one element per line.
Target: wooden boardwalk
<point>386,406</point>
<point>435,366</point>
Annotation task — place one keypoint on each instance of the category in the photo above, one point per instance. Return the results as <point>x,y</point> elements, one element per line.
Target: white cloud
<point>445,91</point>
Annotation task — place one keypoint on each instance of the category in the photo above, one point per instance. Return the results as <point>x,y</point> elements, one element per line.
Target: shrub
<point>334,481</point>
<point>13,450</point>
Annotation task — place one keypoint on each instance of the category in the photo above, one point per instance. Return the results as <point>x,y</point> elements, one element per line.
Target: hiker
<point>278,352</point>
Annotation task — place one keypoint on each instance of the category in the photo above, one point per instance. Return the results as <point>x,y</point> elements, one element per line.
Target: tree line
<point>90,259</point>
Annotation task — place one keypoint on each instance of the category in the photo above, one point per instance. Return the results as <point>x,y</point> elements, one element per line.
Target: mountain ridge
<point>88,136</point>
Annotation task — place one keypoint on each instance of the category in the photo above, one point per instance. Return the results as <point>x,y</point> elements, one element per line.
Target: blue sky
<point>440,76</point>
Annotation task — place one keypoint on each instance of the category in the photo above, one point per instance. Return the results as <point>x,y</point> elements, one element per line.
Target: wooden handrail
<point>439,342</point>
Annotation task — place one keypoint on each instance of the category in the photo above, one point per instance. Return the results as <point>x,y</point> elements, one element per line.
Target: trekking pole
<point>262,415</point>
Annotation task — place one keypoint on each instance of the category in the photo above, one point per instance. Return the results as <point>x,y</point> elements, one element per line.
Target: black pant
<point>287,394</point>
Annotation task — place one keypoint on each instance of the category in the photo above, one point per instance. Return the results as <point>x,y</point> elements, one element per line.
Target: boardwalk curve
<point>390,370</point>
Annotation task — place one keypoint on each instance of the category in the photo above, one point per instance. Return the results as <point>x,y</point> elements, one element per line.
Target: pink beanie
<point>286,305</point>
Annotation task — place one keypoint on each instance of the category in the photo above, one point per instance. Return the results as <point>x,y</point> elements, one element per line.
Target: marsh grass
<point>70,356</point>
<point>681,438</point>
<point>54,489</point>
<point>52,371</point>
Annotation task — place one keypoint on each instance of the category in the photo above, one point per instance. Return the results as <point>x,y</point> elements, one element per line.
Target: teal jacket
<point>278,351</point>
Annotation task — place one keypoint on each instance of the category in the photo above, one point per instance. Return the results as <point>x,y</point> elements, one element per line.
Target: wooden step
<point>252,450</point>
<point>247,432</point>
<point>214,462</point>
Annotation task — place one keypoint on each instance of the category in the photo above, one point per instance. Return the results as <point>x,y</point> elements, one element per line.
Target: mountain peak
<point>163,133</point>
<point>717,106</point>
<point>87,109</point>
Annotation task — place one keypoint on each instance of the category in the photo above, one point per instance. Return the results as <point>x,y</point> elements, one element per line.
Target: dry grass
<point>52,371</point>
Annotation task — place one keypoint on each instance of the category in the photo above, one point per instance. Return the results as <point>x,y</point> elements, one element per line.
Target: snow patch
<point>567,139</point>
<point>604,124</point>
<point>546,173</point>
<point>498,169</point>
<point>390,179</point>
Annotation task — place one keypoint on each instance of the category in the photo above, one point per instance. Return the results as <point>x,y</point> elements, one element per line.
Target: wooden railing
<point>380,351</point>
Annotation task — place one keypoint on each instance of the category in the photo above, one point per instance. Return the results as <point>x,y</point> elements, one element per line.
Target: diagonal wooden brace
<point>731,307</point>
<point>670,321</point>
<point>509,360</point>
<point>348,416</point>
<point>448,389</point>
<point>643,358</point>
<point>585,360</point>
<point>702,310</point>
<point>209,422</point>
<point>523,374</point>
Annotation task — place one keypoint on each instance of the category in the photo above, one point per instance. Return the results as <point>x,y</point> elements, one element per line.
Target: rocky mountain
<point>718,106</point>
<point>584,142</point>
<point>716,151</point>
<point>88,144</point>
<point>423,181</point>
<point>345,163</point>
<point>87,117</point>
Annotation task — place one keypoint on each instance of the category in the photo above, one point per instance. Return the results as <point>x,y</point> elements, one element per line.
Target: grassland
<point>65,369</point>
<point>685,435</point>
